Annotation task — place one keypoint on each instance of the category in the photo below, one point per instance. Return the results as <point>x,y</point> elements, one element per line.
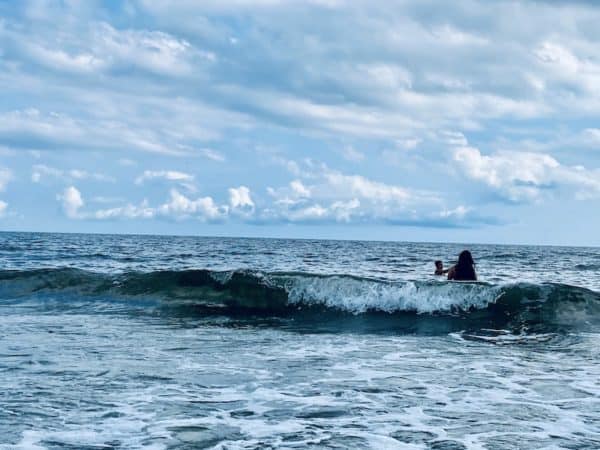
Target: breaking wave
<point>287,293</point>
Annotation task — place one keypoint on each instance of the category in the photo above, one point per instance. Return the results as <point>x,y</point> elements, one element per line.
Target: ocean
<point>156,342</point>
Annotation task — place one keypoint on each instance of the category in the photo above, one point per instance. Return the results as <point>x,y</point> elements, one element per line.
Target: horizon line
<point>142,234</point>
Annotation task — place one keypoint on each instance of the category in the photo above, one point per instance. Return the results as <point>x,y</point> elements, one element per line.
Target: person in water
<point>464,269</point>
<point>439,268</point>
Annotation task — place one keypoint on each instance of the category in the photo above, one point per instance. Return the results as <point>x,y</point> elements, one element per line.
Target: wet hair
<point>438,263</point>
<point>465,268</point>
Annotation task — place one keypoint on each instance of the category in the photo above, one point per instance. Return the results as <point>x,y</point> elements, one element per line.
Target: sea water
<point>127,342</point>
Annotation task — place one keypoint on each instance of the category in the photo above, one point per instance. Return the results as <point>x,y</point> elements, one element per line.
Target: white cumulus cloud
<point>71,201</point>
<point>203,208</point>
<point>323,194</point>
<point>240,200</point>
<point>177,207</point>
<point>525,176</point>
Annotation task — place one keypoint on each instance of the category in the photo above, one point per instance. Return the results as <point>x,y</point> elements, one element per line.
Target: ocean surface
<point>130,342</point>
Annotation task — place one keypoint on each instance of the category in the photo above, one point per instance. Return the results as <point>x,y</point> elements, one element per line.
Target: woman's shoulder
<point>451,272</point>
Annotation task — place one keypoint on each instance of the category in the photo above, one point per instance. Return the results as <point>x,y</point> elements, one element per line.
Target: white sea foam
<point>243,388</point>
<point>358,295</point>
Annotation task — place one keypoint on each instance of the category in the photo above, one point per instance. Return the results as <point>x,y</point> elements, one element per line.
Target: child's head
<point>439,265</point>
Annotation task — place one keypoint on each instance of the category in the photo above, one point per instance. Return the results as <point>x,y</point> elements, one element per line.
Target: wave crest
<point>284,293</point>
<point>360,295</point>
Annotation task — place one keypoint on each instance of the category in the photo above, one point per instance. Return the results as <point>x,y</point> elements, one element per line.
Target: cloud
<point>459,212</point>
<point>296,192</point>
<point>334,84</point>
<point>203,208</point>
<point>104,48</point>
<point>63,61</point>
<point>154,51</point>
<point>351,154</point>
<point>3,208</point>
<point>325,195</point>
<point>591,136</point>
<point>525,176</point>
<point>362,89</point>
<point>33,129</point>
<point>335,81</point>
<point>578,73</point>
<point>408,143</point>
<point>177,207</point>
<point>169,175</point>
<point>108,121</point>
<point>103,199</point>
<point>222,74</point>
<point>321,196</point>
<point>39,171</point>
<point>128,211</point>
<point>29,128</point>
<point>71,201</point>
<point>183,179</point>
<point>240,200</point>
<point>299,189</point>
<point>97,87</point>
<point>369,82</point>
<point>211,154</point>
<point>339,184</point>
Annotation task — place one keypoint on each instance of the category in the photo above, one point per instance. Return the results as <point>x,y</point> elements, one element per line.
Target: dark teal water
<point>182,342</point>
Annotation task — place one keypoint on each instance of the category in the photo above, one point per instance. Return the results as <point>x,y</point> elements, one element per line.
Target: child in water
<point>439,268</point>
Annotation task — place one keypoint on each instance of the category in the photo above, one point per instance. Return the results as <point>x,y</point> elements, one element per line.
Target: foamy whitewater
<point>129,342</point>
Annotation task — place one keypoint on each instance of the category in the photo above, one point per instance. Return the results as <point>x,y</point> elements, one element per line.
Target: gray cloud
<point>363,68</point>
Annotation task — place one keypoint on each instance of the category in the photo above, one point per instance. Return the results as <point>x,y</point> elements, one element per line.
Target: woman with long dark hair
<point>464,270</point>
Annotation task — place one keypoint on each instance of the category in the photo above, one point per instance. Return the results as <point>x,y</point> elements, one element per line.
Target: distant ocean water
<point>110,342</point>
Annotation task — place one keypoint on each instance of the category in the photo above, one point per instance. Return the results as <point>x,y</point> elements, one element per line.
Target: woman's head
<point>465,269</point>
<point>465,258</point>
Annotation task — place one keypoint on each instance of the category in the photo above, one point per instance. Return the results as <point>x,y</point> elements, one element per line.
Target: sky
<point>466,121</point>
